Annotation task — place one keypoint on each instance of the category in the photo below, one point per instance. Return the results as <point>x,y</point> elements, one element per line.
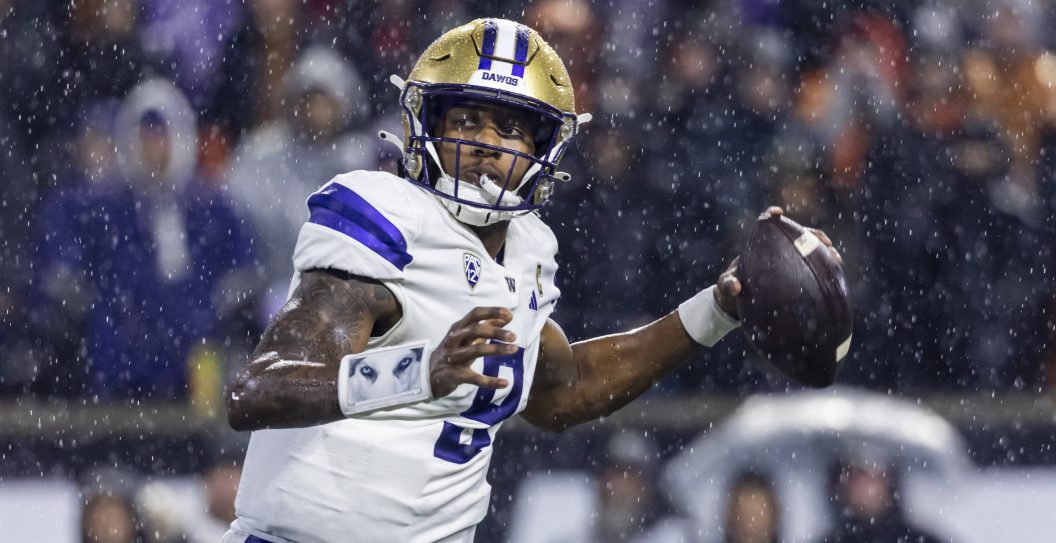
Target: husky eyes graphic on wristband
<point>380,376</point>
<point>449,446</point>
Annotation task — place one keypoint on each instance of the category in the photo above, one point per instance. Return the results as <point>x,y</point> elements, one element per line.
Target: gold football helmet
<point>495,62</point>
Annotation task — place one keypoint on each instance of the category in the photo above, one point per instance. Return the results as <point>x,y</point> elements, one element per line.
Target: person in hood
<point>279,164</point>
<point>868,498</point>
<point>150,246</point>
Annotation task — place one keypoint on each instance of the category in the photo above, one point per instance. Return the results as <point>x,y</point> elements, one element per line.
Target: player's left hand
<point>729,287</point>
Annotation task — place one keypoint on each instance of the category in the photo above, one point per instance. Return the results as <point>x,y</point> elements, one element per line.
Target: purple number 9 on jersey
<point>449,446</point>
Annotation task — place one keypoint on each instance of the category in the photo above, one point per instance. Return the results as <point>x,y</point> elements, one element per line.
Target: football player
<point>451,253</point>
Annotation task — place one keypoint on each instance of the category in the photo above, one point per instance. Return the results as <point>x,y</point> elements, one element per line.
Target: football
<point>794,304</point>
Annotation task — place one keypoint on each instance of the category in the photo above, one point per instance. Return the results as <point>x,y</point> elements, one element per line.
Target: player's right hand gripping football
<point>466,341</point>
<point>729,287</point>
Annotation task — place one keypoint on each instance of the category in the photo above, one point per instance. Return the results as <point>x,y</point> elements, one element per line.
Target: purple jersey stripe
<point>487,49</point>
<point>339,208</point>
<point>521,51</point>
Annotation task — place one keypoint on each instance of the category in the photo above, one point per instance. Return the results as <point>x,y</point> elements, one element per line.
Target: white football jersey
<point>415,473</point>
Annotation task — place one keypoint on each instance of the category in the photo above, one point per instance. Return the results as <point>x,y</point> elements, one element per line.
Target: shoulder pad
<point>361,223</point>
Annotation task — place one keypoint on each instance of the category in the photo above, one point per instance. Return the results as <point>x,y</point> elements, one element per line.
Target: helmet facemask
<point>494,200</point>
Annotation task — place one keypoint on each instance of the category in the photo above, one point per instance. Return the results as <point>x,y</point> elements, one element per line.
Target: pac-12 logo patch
<point>471,265</point>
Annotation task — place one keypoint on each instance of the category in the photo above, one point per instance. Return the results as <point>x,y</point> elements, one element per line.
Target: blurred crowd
<point>623,498</point>
<point>155,158</point>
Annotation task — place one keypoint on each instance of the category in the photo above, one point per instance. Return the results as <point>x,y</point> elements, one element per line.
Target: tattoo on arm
<point>291,379</point>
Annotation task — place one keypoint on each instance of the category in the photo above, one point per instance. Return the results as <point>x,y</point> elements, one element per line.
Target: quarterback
<point>450,253</point>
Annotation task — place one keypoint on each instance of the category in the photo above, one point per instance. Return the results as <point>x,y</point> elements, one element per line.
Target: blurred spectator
<point>867,76</point>
<point>868,500</point>
<point>616,503</point>
<point>992,317</point>
<point>626,488</point>
<point>107,514</point>
<point>30,56</point>
<point>615,264</point>
<point>1002,72</point>
<point>63,295</point>
<point>278,166</point>
<point>1047,180</point>
<point>149,250</point>
<point>751,515</point>
<point>249,87</point>
<point>762,97</point>
<point>102,57</point>
<point>188,38</point>
<point>572,28</point>
<point>686,161</point>
<point>201,516</point>
<point>159,511</point>
<point>752,511</point>
<point>220,483</point>
<point>107,519</point>
<point>900,207</point>
<point>394,40</point>
<point>17,195</point>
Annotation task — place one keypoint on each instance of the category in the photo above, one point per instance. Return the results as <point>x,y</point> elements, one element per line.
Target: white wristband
<point>704,320</point>
<point>385,377</point>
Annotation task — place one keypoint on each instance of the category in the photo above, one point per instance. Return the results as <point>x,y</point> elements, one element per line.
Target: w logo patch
<point>471,265</point>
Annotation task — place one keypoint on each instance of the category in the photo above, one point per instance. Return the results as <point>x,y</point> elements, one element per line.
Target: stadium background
<point>919,135</point>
